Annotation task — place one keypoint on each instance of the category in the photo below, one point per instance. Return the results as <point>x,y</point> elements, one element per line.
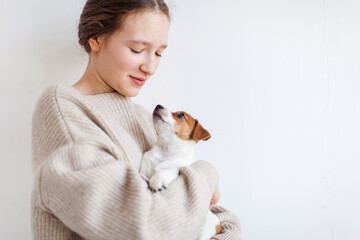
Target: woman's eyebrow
<point>145,43</point>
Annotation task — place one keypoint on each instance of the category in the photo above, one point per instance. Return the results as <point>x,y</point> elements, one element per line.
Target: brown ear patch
<point>200,133</point>
<point>188,128</point>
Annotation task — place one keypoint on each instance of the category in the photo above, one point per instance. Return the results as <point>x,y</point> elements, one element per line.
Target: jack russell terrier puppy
<point>178,134</point>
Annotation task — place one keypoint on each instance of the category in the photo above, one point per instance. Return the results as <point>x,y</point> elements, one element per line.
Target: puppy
<point>178,134</point>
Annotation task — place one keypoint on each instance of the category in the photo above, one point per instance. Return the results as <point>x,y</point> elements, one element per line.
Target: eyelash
<point>134,51</point>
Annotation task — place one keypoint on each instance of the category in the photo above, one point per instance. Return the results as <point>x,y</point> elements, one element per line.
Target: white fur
<point>209,228</point>
<point>162,163</point>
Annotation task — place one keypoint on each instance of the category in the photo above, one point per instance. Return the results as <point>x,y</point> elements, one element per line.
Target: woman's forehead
<point>145,27</point>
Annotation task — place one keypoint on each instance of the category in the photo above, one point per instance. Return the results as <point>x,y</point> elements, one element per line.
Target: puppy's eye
<point>180,115</point>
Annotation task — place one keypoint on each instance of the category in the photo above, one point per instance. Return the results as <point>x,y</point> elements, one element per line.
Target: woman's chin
<point>133,92</point>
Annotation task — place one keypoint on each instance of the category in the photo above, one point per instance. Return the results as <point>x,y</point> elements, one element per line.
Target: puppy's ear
<point>200,133</point>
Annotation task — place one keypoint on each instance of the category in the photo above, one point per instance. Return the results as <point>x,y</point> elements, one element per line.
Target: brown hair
<point>103,17</point>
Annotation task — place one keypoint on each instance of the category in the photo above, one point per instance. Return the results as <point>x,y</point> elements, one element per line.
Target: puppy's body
<point>178,134</point>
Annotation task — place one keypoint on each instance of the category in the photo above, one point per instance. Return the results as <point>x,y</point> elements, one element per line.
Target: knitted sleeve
<point>229,224</point>
<point>109,200</point>
<point>98,195</point>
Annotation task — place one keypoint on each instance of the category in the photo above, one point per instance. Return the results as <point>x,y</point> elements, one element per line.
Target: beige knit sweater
<point>87,153</point>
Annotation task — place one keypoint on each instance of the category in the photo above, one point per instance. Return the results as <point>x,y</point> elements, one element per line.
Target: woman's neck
<point>91,82</point>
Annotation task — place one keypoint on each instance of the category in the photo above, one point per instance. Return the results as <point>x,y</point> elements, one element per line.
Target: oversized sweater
<point>86,156</point>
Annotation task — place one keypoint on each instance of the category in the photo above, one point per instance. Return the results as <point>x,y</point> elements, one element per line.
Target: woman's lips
<point>138,81</point>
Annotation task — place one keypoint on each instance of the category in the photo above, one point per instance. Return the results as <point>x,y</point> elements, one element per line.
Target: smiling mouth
<point>138,81</point>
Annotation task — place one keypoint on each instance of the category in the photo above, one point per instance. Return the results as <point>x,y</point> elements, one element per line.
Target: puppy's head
<point>179,124</point>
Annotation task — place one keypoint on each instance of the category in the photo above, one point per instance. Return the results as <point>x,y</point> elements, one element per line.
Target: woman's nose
<point>149,66</point>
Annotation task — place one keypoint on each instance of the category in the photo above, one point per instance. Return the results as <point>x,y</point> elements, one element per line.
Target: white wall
<point>276,82</point>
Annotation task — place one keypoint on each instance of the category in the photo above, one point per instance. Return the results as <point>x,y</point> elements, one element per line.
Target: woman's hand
<point>215,197</point>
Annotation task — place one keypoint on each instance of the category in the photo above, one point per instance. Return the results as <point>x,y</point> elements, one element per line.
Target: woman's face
<point>126,59</point>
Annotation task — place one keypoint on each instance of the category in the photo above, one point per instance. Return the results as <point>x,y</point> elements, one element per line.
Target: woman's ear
<point>95,43</point>
<point>200,133</point>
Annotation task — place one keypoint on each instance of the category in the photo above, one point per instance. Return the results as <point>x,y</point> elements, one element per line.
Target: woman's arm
<point>99,197</point>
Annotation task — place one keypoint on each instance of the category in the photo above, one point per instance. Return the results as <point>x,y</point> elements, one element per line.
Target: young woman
<point>88,140</point>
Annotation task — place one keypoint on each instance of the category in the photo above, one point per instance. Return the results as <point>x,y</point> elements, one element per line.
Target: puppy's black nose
<point>159,107</point>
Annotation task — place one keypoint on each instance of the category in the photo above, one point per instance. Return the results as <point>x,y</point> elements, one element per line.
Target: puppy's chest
<point>179,159</point>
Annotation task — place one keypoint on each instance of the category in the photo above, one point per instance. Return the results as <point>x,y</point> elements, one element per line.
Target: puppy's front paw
<point>161,179</point>
<point>157,182</point>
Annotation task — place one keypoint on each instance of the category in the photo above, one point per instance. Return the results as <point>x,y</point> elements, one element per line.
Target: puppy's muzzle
<point>159,112</point>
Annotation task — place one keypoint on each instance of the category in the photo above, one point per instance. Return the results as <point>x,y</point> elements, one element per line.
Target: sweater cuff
<point>230,224</point>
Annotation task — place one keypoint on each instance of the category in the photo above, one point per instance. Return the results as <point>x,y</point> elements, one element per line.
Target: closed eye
<point>134,51</point>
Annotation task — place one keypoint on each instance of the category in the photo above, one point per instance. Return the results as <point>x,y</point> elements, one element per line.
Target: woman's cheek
<point>128,61</point>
